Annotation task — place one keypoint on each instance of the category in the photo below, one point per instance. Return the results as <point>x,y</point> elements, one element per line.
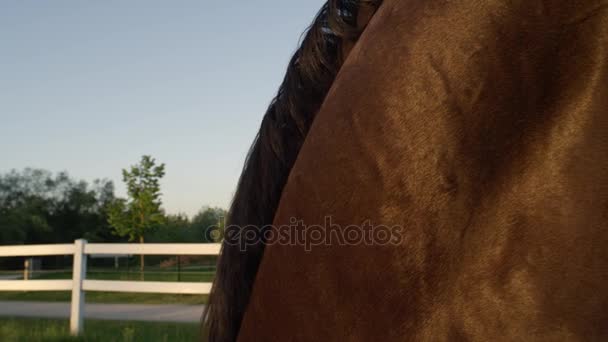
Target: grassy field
<point>32,330</point>
<point>153,274</point>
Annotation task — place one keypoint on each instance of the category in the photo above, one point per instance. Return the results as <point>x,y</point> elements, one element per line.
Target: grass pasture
<point>33,330</point>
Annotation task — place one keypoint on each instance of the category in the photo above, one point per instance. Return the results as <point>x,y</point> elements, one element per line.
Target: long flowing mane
<point>309,76</point>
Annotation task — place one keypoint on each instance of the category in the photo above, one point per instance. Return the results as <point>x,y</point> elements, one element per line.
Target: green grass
<point>32,330</point>
<point>118,297</point>
<point>105,297</point>
<point>149,275</point>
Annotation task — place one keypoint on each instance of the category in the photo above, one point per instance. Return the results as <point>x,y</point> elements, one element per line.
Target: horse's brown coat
<point>481,127</point>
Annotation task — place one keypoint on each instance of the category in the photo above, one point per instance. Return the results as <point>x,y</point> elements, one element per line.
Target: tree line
<point>38,206</point>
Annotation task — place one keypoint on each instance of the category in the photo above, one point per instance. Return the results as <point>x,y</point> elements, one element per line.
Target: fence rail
<point>79,284</point>
<point>35,285</point>
<point>36,250</point>
<point>153,248</point>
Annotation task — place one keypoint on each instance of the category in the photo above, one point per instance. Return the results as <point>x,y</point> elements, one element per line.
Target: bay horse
<point>479,128</point>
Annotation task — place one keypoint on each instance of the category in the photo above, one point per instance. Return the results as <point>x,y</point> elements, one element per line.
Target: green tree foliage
<point>37,206</point>
<point>134,216</point>
<point>141,212</point>
<point>206,222</point>
<point>176,228</point>
<point>179,228</point>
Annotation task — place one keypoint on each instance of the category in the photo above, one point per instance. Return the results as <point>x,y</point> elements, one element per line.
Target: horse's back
<point>481,129</point>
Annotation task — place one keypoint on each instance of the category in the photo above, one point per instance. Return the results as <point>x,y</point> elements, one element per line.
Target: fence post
<point>79,274</point>
<point>26,269</point>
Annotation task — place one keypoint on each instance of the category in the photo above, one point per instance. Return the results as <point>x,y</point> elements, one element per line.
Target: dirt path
<point>121,312</point>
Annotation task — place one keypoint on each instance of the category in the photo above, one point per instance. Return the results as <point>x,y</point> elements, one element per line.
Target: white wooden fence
<point>79,284</point>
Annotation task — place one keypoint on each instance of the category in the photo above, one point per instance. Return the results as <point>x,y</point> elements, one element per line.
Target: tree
<point>176,228</point>
<point>141,212</point>
<point>37,206</point>
<point>208,224</point>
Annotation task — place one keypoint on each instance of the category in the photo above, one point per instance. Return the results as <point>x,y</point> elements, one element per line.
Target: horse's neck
<point>480,128</point>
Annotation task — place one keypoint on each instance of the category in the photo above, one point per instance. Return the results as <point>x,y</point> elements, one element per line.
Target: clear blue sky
<point>90,86</point>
